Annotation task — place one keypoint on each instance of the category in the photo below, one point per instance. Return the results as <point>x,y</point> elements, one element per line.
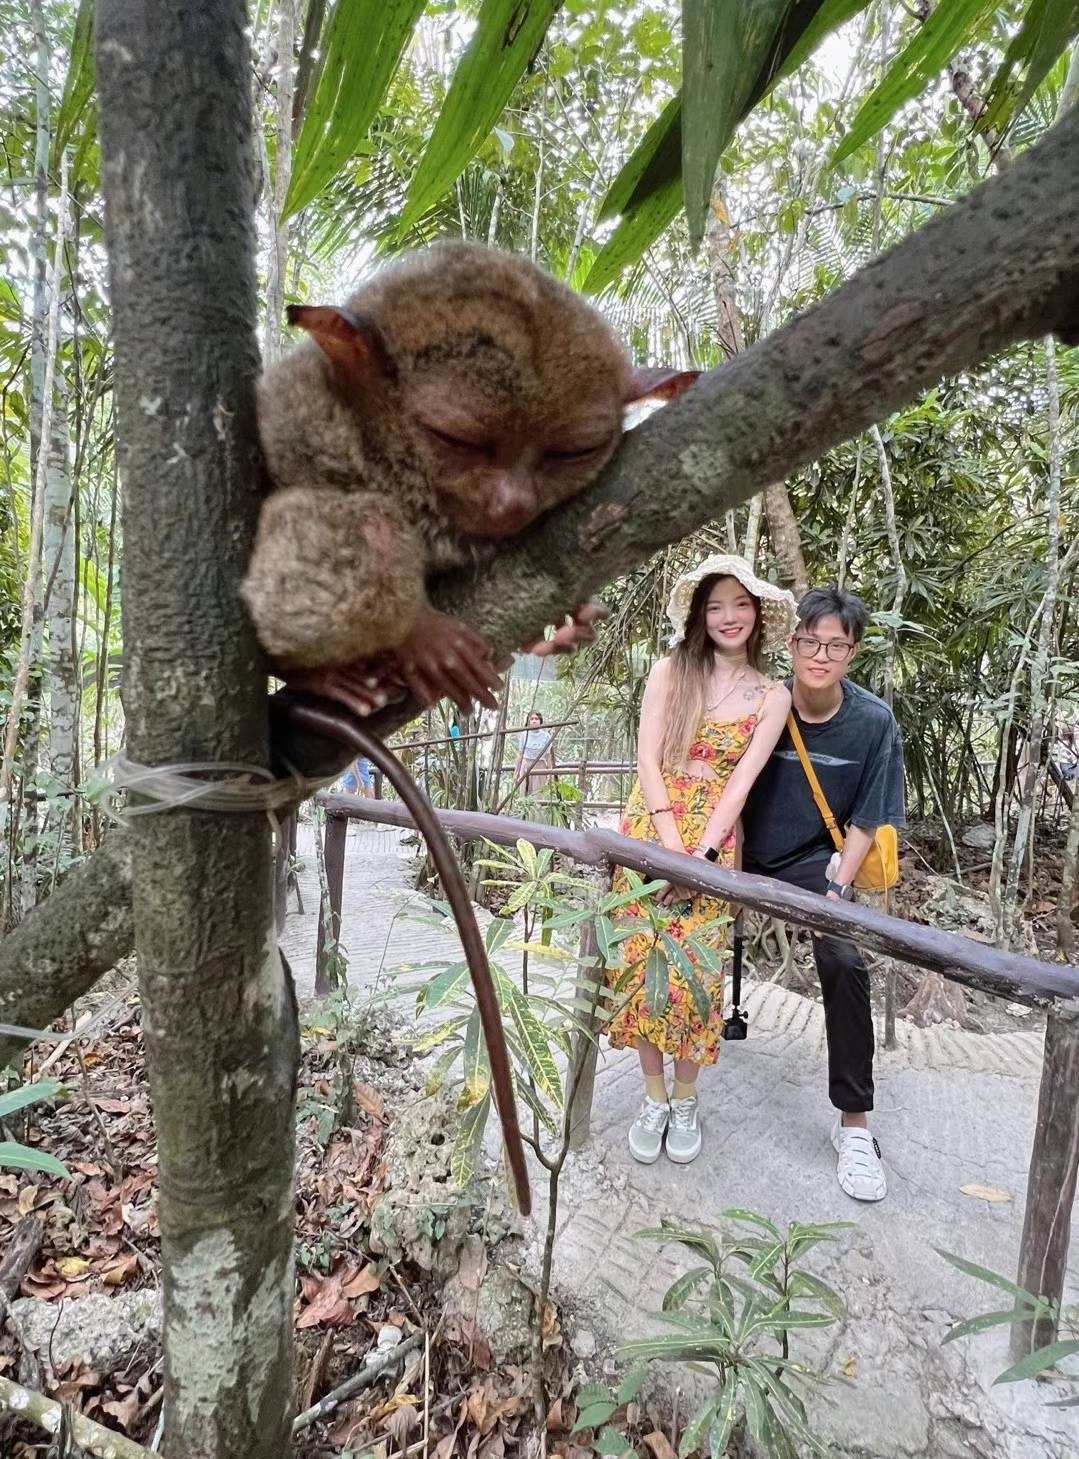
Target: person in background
<point>358,779</point>
<point>710,718</point>
<point>854,746</point>
<point>535,747</point>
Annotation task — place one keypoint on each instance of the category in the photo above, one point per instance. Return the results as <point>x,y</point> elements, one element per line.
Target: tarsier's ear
<point>352,341</point>
<point>646,383</point>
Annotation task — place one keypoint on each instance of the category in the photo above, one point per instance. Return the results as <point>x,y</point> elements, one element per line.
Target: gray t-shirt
<point>858,757</point>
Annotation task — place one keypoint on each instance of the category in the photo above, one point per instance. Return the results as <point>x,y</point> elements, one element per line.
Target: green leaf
<point>695,1241</point>
<point>21,1157</point>
<point>697,1427</point>
<point>1037,1361</point>
<point>466,1147</point>
<point>648,191</point>
<point>363,45</point>
<point>752,1219</point>
<point>77,115</point>
<point>26,1094</point>
<point>720,1429</point>
<point>435,1036</point>
<point>971,1269</point>
<point>436,1076</point>
<point>979,1324</point>
<point>444,986</point>
<point>635,233</point>
<point>611,1444</point>
<point>657,990</point>
<point>934,43</point>
<point>535,1047</point>
<point>631,1384</point>
<point>594,1415</point>
<point>723,50</point>
<point>1048,26</point>
<point>684,1286</point>
<point>477,1067</point>
<point>498,929</point>
<point>805,1284</point>
<point>508,33</point>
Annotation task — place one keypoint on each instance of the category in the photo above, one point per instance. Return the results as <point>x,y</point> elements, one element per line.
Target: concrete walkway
<point>953,1109</point>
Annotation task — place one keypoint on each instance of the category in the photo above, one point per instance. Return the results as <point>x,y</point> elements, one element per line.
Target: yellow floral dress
<point>680,1030</point>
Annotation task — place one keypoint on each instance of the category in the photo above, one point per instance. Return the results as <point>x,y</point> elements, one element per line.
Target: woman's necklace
<point>730,688</point>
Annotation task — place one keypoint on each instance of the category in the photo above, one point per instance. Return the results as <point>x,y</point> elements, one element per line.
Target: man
<point>853,743</point>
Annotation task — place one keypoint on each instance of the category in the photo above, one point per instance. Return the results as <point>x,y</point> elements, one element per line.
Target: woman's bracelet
<point>659,810</point>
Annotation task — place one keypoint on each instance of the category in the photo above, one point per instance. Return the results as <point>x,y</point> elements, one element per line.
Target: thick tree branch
<point>64,945</point>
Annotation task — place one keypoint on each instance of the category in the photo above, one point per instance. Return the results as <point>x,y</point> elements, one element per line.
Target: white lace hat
<point>778,606</point>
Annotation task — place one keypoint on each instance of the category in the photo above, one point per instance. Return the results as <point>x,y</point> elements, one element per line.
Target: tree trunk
<point>218,1010</point>
<point>282,173</point>
<point>59,572</point>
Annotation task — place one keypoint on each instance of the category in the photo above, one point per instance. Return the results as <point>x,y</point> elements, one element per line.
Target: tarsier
<point>458,396</point>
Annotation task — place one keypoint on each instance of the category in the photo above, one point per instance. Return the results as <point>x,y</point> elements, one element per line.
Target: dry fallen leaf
<point>659,1446</point>
<point>369,1099</point>
<point>986,1193</point>
<point>363,1282</point>
<point>118,1271</point>
<point>73,1267</point>
<point>849,1367</point>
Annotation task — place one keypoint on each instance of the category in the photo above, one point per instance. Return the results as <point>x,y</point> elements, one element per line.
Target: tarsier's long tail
<point>328,720</point>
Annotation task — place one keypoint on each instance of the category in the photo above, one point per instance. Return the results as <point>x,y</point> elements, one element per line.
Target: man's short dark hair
<point>833,602</point>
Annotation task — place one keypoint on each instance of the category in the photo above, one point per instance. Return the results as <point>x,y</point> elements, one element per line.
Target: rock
<point>501,1312</point>
<point>421,1214</point>
<point>584,1344</point>
<point>980,836</point>
<point>388,1337</point>
<point>96,1331</point>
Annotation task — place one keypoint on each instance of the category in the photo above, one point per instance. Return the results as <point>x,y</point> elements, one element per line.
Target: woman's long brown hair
<point>692,662</point>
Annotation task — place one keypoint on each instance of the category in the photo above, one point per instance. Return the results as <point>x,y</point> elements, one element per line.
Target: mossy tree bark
<point>217,1006</point>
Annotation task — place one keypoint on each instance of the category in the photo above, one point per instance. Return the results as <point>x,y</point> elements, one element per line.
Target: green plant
<point>1025,1308</point>
<point>23,1157</point>
<point>725,1320</point>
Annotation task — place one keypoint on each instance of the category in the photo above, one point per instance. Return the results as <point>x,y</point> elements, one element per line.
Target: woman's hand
<point>673,892</point>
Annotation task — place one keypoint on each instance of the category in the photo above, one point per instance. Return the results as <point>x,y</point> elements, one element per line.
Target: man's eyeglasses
<point>835,648</point>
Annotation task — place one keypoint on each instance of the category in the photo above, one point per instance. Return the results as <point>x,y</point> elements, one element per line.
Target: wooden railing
<point>1054,1159</point>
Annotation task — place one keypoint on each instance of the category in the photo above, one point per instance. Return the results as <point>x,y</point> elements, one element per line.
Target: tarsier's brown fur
<point>462,393</point>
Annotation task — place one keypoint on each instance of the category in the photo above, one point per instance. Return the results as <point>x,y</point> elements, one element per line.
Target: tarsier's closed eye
<point>576,453</point>
<point>449,438</point>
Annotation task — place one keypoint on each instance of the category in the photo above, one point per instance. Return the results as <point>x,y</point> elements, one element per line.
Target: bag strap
<point>814,783</point>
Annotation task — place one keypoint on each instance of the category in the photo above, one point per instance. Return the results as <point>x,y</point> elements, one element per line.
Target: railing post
<point>334,852</point>
<point>582,1069</point>
<point>281,869</point>
<point>1054,1160</point>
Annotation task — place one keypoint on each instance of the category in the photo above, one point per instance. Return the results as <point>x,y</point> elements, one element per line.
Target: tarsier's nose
<point>511,506</point>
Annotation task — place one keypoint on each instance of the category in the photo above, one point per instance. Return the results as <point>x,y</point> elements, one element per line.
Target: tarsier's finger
<point>424,693</point>
<point>470,680</point>
<point>591,612</point>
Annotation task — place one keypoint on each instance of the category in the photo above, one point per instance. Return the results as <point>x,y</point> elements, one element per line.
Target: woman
<point>535,754</point>
<point>709,721</point>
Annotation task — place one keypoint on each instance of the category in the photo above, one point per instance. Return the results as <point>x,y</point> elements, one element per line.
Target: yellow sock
<point>684,1091</point>
<point>655,1086</point>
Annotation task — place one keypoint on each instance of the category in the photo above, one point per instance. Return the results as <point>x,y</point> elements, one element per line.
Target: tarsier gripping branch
<point>459,395</point>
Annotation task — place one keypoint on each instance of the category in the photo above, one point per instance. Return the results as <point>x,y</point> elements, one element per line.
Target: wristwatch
<point>844,893</point>
<point>709,853</point>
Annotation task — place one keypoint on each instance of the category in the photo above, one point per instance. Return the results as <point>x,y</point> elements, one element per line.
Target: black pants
<point>848,1016</point>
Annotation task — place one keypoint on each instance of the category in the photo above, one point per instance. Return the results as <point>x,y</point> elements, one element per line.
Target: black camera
<point>736,1027</point>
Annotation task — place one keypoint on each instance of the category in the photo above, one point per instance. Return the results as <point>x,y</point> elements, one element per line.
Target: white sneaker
<point>684,1131</point>
<point>859,1171</point>
<point>646,1131</point>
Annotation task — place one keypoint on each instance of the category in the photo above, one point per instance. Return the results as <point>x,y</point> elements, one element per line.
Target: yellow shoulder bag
<point>880,869</point>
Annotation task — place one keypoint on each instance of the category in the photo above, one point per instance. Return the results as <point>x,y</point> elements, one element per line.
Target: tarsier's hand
<point>441,656</point>
<point>570,636</point>
<point>362,688</point>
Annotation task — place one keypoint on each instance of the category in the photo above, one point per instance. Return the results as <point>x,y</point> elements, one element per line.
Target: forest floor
<point>954,1116</point>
